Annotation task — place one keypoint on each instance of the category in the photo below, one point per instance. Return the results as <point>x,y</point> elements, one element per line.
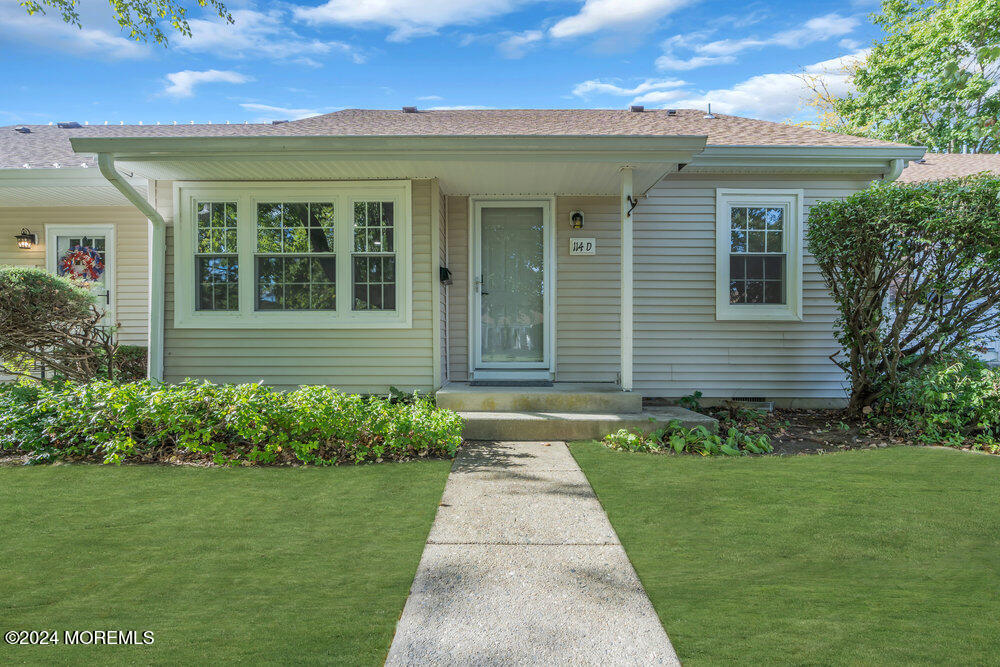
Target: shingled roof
<point>937,166</point>
<point>48,145</point>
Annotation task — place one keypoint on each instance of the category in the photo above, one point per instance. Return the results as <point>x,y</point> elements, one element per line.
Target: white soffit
<point>467,177</point>
<point>59,187</point>
<point>495,165</point>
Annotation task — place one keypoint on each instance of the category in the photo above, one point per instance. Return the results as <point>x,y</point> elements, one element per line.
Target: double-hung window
<point>293,255</point>
<point>758,254</point>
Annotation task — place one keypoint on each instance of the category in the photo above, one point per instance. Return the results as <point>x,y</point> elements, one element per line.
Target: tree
<point>913,270</point>
<point>140,17</point>
<point>932,81</point>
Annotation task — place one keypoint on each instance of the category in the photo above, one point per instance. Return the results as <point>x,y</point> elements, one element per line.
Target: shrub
<point>913,270</point>
<point>51,322</point>
<point>130,363</point>
<point>227,424</point>
<point>698,440</point>
<point>955,401</point>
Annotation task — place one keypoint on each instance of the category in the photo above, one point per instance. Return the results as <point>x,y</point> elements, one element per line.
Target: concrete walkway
<point>522,566</point>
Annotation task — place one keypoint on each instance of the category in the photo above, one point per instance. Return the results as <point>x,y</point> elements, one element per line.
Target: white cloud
<point>278,113</point>
<point>181,84</point>
<point>430,98</point>
<point>849,44</point>
<point>50,31</point>
<point>598,87</point>
<point>777,96</point>
<point>261,35</point>
<point>724,51</point>
<point>518,44</point>
<point>603,15</point>
<point>406,18</point>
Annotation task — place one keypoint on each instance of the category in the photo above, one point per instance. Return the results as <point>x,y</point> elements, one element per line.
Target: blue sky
<point>284,60</point>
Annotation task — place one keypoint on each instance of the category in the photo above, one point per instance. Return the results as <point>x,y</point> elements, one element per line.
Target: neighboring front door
<point>85,252</point>
<point>512,294</point>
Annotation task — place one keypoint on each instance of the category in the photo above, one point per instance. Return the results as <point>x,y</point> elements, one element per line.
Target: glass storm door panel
<point>512,288</point>
<point>85,257</point>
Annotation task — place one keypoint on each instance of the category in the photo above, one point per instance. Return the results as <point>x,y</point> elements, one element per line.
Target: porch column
<point>626,280</point>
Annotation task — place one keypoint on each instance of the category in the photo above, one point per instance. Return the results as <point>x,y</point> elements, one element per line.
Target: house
<point>939,166</point>
<point>659,252</point>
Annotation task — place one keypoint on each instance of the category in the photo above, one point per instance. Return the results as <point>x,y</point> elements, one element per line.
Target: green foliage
<point>130,363</point>
<point>141,18</point>
<point>932,80</point>
<point>677,439</point>
<point>913,270</point>
<point>53,322</point>
<point>954,401</point>
<point>226,424</point>
<point>691,401</point>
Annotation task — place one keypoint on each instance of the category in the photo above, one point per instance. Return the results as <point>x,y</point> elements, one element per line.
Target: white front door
<point>85,252</point>
<point>512,321</point>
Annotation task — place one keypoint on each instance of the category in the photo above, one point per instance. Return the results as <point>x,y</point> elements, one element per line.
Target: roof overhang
<point>585,165</point>
<point>847,160</point>
<point>65,186</point>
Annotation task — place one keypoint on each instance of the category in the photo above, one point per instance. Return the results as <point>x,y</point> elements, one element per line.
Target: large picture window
<point>758,258</point>
<point>295,263</point>
<point>293,255</point>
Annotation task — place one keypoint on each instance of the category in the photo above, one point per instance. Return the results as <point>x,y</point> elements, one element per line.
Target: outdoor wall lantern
<point>25,240</point>
<point>576,220</point>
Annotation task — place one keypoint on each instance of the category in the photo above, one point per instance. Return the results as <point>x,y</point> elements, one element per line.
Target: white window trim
<point>246,195</point>
<point>110,250</point>
<point>793,201</point>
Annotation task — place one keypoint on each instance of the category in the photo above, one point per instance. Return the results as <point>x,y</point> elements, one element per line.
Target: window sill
<point>286,320</point>
<point>727,312</point>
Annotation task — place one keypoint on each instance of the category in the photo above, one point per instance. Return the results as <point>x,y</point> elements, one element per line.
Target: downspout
<point>157,260</point>
<point>895,169</point>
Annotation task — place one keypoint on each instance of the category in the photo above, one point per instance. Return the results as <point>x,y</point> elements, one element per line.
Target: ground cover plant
<point>224,424</point>
<point>884,556</point>
<point>677,439</point>
<point>254,566</point>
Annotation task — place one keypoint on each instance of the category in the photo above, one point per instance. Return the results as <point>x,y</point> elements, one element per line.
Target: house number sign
<point>582,246</point>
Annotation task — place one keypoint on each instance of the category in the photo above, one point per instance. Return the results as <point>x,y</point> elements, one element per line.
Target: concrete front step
<point>563,397</point>
<point>481,425</point>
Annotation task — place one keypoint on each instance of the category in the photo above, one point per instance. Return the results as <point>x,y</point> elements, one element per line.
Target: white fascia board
<point>54,177</point>
<point>862,159</point>
<point>538,148</point>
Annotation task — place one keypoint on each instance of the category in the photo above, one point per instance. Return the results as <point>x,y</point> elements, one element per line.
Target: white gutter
<point>157,260</point>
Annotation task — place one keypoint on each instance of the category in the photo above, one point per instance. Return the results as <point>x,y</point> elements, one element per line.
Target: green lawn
<point>268,565</point>
<point>887,556</point>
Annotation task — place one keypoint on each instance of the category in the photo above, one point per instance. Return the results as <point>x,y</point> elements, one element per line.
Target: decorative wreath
<point>82,263</point>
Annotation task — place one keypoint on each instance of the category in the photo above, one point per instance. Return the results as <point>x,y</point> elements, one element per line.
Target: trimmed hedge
<point>226,424</point>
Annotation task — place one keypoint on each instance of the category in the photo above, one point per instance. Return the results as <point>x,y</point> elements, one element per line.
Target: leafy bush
<point>51,322</point>
<point>227,424</point>
<point>698,440</point>
<point>130,363</point>
<point>955,402</point>
<point>913,270</point>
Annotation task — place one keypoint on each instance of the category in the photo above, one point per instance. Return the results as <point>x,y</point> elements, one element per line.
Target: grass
<point>269,565</point>
<point>885,556</point>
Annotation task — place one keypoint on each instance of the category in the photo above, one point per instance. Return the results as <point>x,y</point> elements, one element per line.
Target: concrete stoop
<point>562,397</point>
<point>480,425</point>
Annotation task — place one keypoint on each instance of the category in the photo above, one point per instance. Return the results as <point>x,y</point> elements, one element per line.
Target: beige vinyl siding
<point>679,345</point>
<point>588,292</point>
<point>353,360</point>
<point>131,291</point>
<point>458,293</point>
